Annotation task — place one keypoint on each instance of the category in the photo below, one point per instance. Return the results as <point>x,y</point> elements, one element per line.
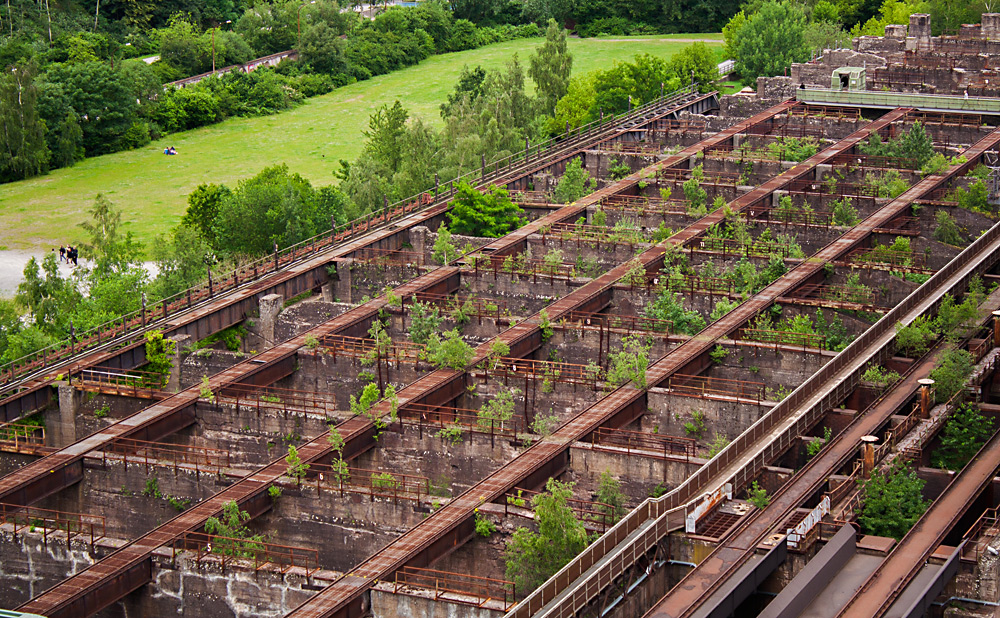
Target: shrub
<point>297,469</point>
<point>631,362</point>
<point>609,492</point>
<point>915,338</point>
<point>453,352</point>
<point>757,496</point>
<point>963,435</point>
<point>444,250</point>
<point>695,428</point>
<point>574,183</point>
<point>950,373</point>
<point>892,501</point>
<point>946,230</point>
<point>484,527</point>
<point>718,443</point>
<point>491,214</point>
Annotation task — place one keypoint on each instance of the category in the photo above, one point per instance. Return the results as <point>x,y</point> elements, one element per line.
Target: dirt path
<point>631,40</point>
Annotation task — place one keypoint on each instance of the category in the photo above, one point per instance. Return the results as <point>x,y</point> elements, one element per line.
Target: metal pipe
<point>926,388</point>
<point>868,455</point>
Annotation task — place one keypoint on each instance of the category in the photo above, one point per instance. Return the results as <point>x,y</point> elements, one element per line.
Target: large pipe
<point>926,388</point>
<point>868,455</point>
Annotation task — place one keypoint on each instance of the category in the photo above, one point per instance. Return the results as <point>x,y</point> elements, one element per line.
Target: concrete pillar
<point>270,307</point>
<point>340,280</point>
<point>327,290</point>
<point>868,455</point>
<point>895,31</point>
<point>62,432</point>
<point>991,26</point>
<point>823,169</point>
<point>926,388</point>
<point>920,27</point>
<point>996,329</point>
<point>180,343</point>
<point>776,198</point>
<point>737,139</point>
<point>418,239</point>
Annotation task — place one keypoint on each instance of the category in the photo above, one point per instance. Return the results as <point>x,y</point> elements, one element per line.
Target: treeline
<point>87,93</point>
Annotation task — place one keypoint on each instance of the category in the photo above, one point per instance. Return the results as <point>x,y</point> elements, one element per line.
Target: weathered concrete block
<point>180,343</point>
<point>62,432</point>
<point>270,307</point>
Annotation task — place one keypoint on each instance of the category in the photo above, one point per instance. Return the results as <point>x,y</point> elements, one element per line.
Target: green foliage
<point>629,364</point>
<point>152,489</point>
<point>452,433</point>
<point>718,354</point>
<point>694,194</point>
<point>892,501</point>
<point>102,412</point>
<point>545,325</point>
<point>917,337</point>
<point>695,62</point>
<point>484,527</point>
<point>796,149</point>
<point>550,67</point>
<point>946,230</point>
<point>362,405</point>
<point>237,540</point>
<point>757,496</point>
<point>424,321</point>
<point>574,184</point>
<point>768,41</point>
<point>887,184</point>
<point>544,424</point>
<point>974,199</point>
<point>296,469</point>
<point>311,342</point>
<point>385,480</point>
<point>205,391</point>
<point>668,305</point>
<point>25,151</point>
<point>609,492</point>
<point>274,493</point>
<point>950,373</point>
<point>497,410</point>
<point>618,169</point>
<point>453,352</point>
<point>491,214</point>
<point>966,431</point>
<point>844,214</point>
<point>695,428</point>
<point>879,376</point>
<point>915,146</point>
<point>531,558</point>
<point>599,218</point>
<point>336,441</point>
<point>444,251</point>
<point>718,443</point>
<point>158,352</point>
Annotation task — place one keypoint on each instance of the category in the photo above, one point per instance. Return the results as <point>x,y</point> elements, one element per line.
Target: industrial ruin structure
<point>716,208</point>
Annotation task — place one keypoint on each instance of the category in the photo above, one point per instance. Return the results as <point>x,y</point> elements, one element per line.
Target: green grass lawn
<point>151,189</point>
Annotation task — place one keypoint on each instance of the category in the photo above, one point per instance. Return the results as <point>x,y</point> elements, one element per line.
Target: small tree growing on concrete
<point>296,467</point>
<point>444,250</point>
<point>630,363</point>
<point>950,373</point>
<point>609,492</point>
<point>892,501</point>
<point>532,557</point>
<point>158,351</point>
<point>424,320</point>
<point>453,352</point>
<point>963,435</point>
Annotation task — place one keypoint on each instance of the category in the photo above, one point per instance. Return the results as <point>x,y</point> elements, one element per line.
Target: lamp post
<point>228,21</point>
<point>298,24</point>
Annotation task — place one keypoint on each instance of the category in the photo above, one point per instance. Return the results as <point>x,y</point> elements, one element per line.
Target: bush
<point>946,230</point>
<point>453,352</point>
<point>950,374</point>
<point>892,502</point>
<point>916,338</point>
<point>963,435</point>
<point>491,214</point>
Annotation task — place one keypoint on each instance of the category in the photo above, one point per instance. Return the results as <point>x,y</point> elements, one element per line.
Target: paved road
<point>12,269</point>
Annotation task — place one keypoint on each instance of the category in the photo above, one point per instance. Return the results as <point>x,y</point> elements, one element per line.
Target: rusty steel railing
<point>274,399</point>
<point>339,477</point>
<point>231,551</point>
<point>430,417</point>
<point>626,323</point>
<point>18,435</point>
<point>710,386</point>
<point>163,454</point>
<point>883,255</point>
<point>587,511</point>
<point>731,246</point>
<point>48,521</point>
<point>980,535</point>
<point>674,446</point>
<point>642,204</point>
<point>131,383</point>
<point>457,587</point>
<point>781,337</point>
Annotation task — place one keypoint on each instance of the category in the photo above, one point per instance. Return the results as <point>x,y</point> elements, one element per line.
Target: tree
<point>550,67</point>
<point>915,339</point>
<point>609,492</point>
<point>23,150</point>
<point>491,214</point>
<point>695,62</point>
<point>963,435</point>
<point>631,362</point>
<point>296,468</point>
<point>453,352</point>
<point>950,373</point>
<point>444,250</point>
<point>573,185</point>
<point>424,321</point>
<point>770,41</point>
<point>386,129</point>
<point>69,142</point>
<point>49,297</point>
<point>111,252</point>
<point>158,351</point>
<point>892,501</point>
<point>533,557</point>
<point>469,88</point>
<point>180,261</point>
<point>323,49</point>
<point>203,207</point>
<point>274,207</point>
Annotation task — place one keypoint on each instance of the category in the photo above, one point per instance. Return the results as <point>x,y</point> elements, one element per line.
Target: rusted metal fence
<point>273,399</point>
<point>981,535</point>
<point>783,338</point>
<point>457,587</point>
<point>163,454</point>
<point>231,551</point>
<point>132,383</point>
<point>344,479</point>
<point>49,521</point>
<point>587,511</point>
<point>18,436</point>
<point>666,445</point>
<point>709,387</point>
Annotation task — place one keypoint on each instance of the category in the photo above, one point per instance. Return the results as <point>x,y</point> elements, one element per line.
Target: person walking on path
<point>62,253</point>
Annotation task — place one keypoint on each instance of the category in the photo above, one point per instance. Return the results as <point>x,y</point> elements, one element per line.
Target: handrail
<point>113,330</point>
